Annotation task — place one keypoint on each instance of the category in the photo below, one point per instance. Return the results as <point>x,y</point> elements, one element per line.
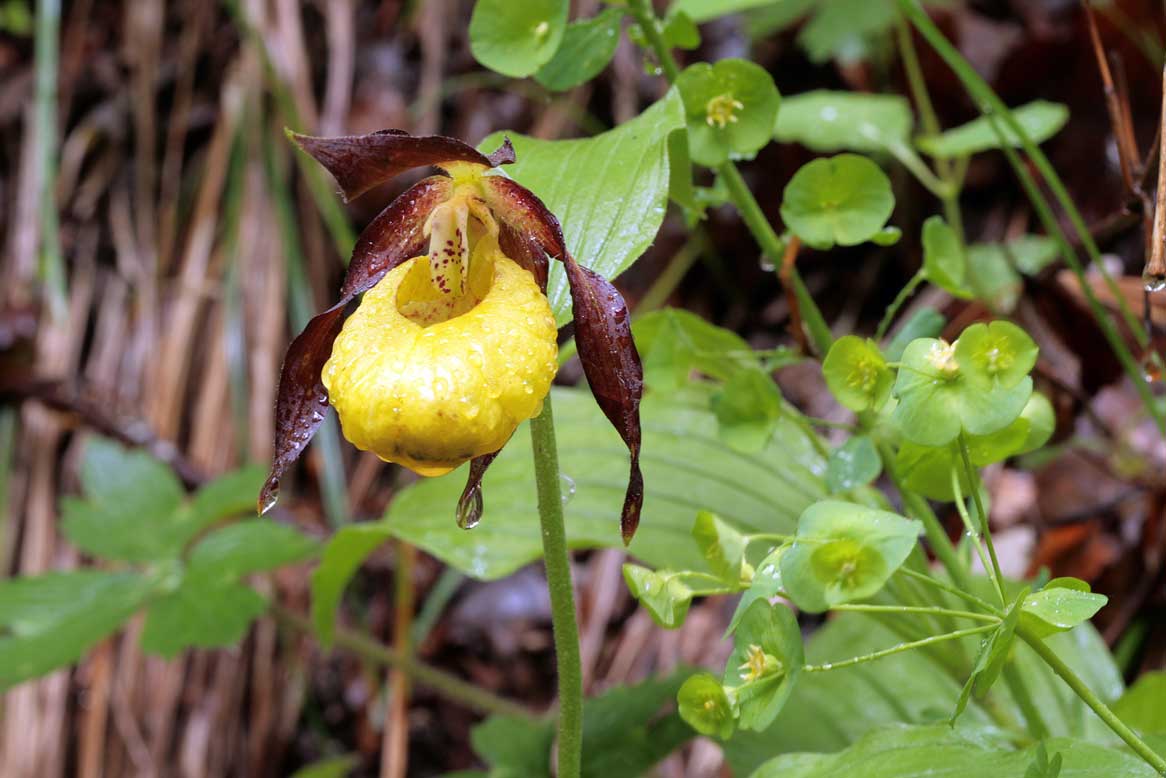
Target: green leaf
<point>767,658</point>
<point>587,46</point>
<point>516,39</point>
<point>662,593</point>
<point>915,752</point>
<point>723,547</point>
<point>674,342</point>
<point>249,547</point>
<point>927,469</point>
<point>856,374</point>
<point>990,660</point>
<point>200,613</point>
<point>766,583</point>
<point>730,107</point>
<point>225,497</point>
<point>127,481</point>
<point>995,354</point>
<point>705,706</point>
<point>1061,605</point>
<point>609,192</point>
<point>844,200</point>
<point>924,323</point>
<point>748,408</point>
<point>680,31</point>
<point>514,746</point>
<point>844,28</point>
<point>686,469</point>
<point>51,620</point>
<point>330,767</point>
<point>1041,120</point>
<point>828,121</point>
<point>844,552</point>
<point>343,555</point>
<point>1042,421</point>
<point>943,257</point>
<point>993,279</point>
<point>707,10</point>
<point>1032,253</point>
<point>855,463</point>
<point>1143,706</point>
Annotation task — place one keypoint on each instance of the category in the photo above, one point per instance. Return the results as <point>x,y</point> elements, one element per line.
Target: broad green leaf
<point>943,257</point>
<point>730,106</point>
<point>52,620</point>
<point>766,583</point>
<point>343,555</point>
<point>200,614</point>
<point>990,659</point>
<point>775,16</point>
<point>766,661</point>
<point>705,706</point>
<point>915,752</point>
<point>680,31</point>
<point>993,268</point>
<point>748,408</point>
<point>248,547</point>
<point>857,374</point>
<point>855,463</point>
<point>330,767</point>
<point>121,480</point>
<point>1061,605</point>
<point>927,469</point>
<point>609,192</point>
<point>844,200</point>
<point>844,121</point>
<point>1032,253</point>
<point>516,39</point>
<point>723,547</point>
<point>707,10</point>
<point>686,469</point>
<point>674,342</point>
<point>227,496</point>
<point>1040,120</point>
<point>514,746</point>
<point>1042,421</point>
<point>924,323</point>
<point>587,46</point>
<point>1143,706</point>
<point>844,552</point>
<point>661,593</point>
<point>997,353</point>
<point>843,28</point>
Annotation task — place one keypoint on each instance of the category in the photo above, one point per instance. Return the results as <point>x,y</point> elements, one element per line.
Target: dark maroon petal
<point>470,505</point>
<point>360,162</point>
<point>525,252</point>
<point>519,208</point>
<point>395,235</point>
<point>612,366</point>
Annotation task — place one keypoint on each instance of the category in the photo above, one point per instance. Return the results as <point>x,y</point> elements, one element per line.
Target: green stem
<point>1090,698</point>
<point>864,608</point>
<point>966,596</point>
<point>444,683</point>
<point>892,309</point>
<point>47,52</point>
<point>974,483</point>
<point>558,565</point>
<point>973,531</point>
<point>962,633</point>
<point>1019,688</point>
<point>645,17</point>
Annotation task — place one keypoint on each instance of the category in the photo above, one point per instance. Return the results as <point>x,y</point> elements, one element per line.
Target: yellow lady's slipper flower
<point>452,348</point>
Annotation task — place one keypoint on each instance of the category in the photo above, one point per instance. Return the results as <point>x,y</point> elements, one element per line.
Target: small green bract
<point>843,200</point>
<point>731,107</point>
<point>857,374</point>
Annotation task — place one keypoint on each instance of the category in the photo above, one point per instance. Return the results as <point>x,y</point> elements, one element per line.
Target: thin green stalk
<point>645,17</point>
<point>439,596</point>
<point>962,633</point>
<point>991,105</point>
<point>1019,688</point>
<point>892,309</point>
<point>47,53</point>
<point>974,483</point>
<point>449,686</point>
<point>558,565</point>
<point>966,596</point>
<point>973,532</point>
<point>864,608</point>
<point>1090,698</point>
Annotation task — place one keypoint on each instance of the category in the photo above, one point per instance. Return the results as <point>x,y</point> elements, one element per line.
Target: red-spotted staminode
<point>451,348</point>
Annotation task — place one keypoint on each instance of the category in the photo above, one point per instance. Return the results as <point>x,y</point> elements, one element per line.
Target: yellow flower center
<point>942,358</point>
<point>722,111</point>
<point>757,664</point>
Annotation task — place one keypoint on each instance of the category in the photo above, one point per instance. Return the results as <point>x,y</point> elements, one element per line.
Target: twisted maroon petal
<point>521,210</point>
<point>360,162</point>
<point>395,235</point>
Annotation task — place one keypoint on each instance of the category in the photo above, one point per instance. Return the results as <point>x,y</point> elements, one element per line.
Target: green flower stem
<point>1090,698</point>
<point>974,482</point>
<point>966,596</point>
<point>739,192</point>
<point>1019,688</point>
<point>47,56</point>
<point>892,309</point>
<point>446,684</point>
<point>558,565</point>
<point>974,533</point>
<point>864,608</point>
<point>857,660</point>
<point>937,537</point>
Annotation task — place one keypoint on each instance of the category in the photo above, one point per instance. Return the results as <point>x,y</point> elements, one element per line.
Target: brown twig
<point>788,262</point>
<point>1126,147</point>
<point>1155,270</point>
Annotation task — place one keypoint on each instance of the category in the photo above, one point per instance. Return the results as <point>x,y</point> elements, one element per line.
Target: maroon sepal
<point>395,235</point>
<point>360,162</point>
<point>470,505</point>
<point>525,253</point>
<point>521,210</point>
<point>612,366</point>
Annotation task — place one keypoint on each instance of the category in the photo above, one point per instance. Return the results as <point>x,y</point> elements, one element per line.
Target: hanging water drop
<point>1155,282</point>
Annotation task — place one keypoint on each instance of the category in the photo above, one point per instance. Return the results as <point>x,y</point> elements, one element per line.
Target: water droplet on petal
<point>469,509</point>
<point>269,496</point>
